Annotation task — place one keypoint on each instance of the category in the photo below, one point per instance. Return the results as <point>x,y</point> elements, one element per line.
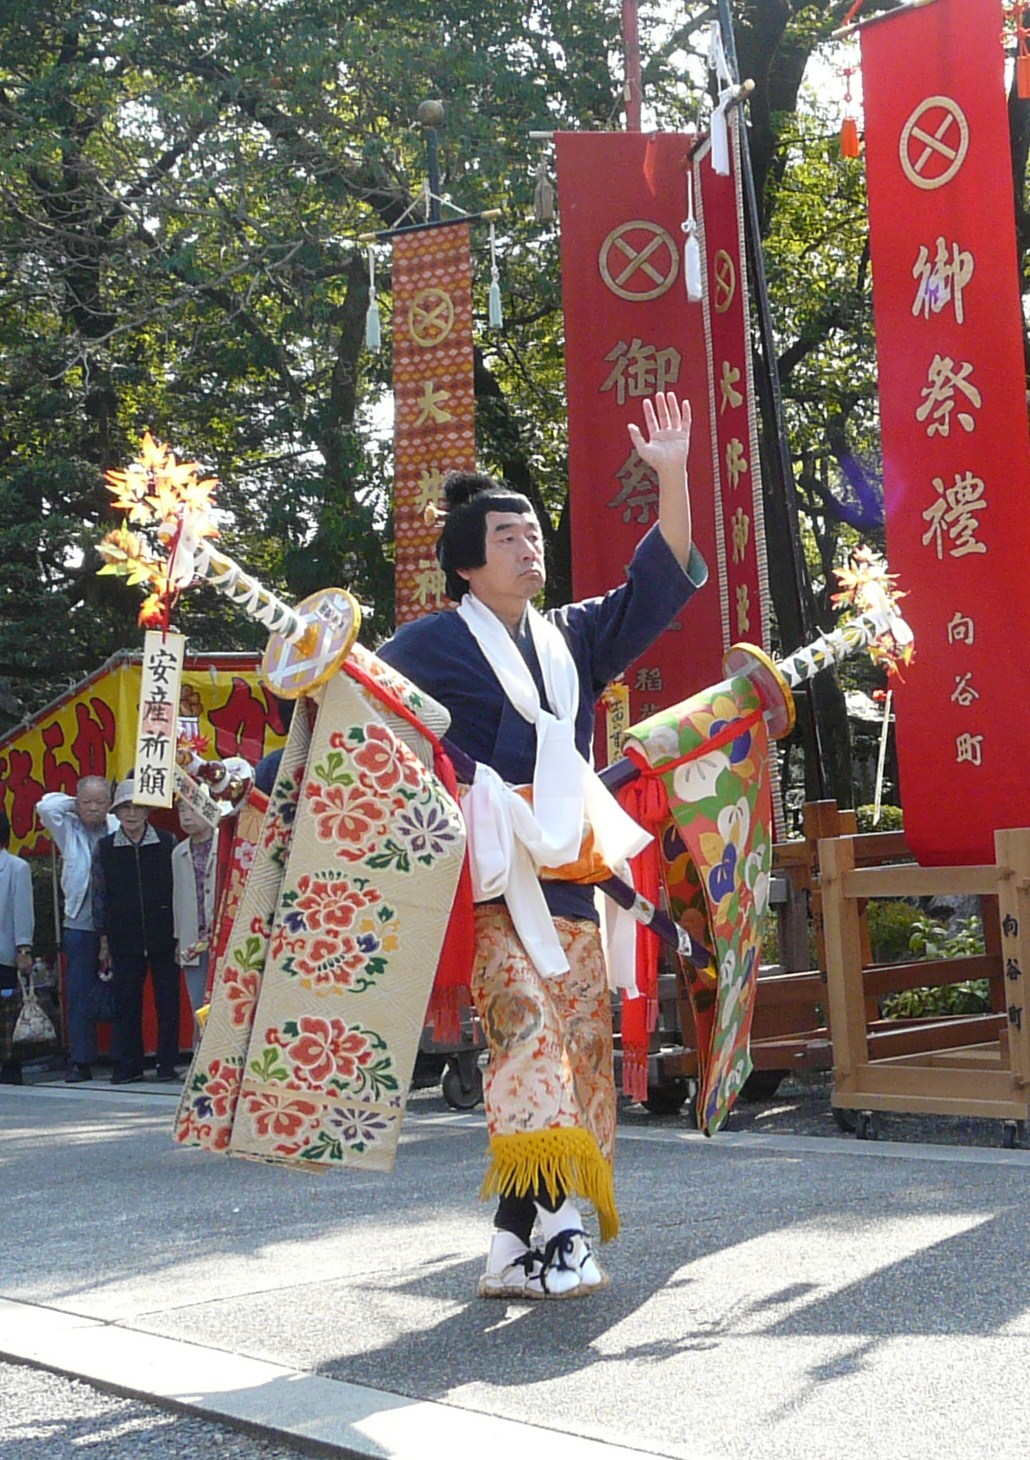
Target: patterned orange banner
<point>434,402</point>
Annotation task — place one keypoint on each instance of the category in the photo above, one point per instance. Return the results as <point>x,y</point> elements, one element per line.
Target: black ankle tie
<point>526,1260</point>
<point>560,1247</point>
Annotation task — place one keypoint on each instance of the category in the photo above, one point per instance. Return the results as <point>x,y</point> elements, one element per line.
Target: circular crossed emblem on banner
<point>333,618</point>
<point>934,142</point>
<point>430,317</point>
<point>724,274</point>
<point>639,260</point>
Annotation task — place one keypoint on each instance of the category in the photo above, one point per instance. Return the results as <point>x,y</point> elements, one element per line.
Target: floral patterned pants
<point>550,1039</point>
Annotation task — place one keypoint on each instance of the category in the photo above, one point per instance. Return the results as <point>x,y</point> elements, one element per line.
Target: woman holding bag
<point>17,928</point>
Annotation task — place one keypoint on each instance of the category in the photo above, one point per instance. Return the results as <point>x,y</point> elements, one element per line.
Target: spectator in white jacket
<point>76,824</point>
<point>193,902</point>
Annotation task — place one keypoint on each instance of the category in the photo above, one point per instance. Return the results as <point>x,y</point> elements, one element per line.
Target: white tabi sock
<point>505,1248</point>
<point>565,1219</point>
<point>574,1252</point>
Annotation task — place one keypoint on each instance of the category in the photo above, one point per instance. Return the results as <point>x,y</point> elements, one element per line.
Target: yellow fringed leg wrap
<point>564,1159</point>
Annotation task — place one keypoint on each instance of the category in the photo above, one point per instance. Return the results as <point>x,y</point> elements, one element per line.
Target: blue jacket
<point>605,635</point>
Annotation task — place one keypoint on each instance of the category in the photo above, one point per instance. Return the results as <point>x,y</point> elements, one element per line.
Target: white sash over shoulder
<point>508,840</point>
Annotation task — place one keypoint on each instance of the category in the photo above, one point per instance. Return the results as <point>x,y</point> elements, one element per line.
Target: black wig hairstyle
<point>470,495</point>
<point>5,829</point>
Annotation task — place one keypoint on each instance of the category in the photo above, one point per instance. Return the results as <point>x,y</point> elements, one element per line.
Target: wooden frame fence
<point>965,1065</point>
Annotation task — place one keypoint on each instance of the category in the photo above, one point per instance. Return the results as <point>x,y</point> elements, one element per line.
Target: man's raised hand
<point>668,432</point>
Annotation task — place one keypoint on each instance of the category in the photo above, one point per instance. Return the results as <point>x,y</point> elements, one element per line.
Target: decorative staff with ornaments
<point>707,759</point>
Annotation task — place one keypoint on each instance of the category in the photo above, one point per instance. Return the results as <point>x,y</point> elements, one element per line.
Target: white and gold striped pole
<point>307,644</point>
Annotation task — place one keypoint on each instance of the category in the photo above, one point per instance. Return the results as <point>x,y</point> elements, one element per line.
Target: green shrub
<point>931,939</point>
<point>770,938</point>
<point>970,997</point>
<point>890,929</point>
<point>891,818</point>
<point>937,940</point>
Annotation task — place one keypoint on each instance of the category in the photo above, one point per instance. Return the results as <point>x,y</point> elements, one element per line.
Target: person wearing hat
<point>132,911</point>
<point>194,869</point>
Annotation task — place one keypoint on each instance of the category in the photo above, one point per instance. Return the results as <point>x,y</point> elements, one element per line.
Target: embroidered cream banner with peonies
<point>319,1004</point>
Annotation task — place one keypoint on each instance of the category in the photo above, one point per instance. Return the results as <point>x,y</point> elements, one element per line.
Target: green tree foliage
<point>183,184</point>
<point>181,191</point>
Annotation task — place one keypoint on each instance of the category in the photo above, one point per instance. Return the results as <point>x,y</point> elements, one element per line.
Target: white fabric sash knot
<point>509,840</point>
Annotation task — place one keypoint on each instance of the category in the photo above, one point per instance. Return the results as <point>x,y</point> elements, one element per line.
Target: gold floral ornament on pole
<point>171,504</point>
<point>878,627</point>
<point>168,500</point>
<point>868,589</point>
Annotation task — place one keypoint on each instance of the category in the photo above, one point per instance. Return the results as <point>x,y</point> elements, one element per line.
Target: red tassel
<point>849,143</point>
<point>446,1012</point>
<point>634,1065</point>
<point>646,801</point>
<point>1023,77</point>
<point>452,993</point>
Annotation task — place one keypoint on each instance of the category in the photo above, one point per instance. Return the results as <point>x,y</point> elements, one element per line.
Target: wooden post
<point>845,991</point>
<point>991,921</point>
<point>820,819</point>
<point>1012,849</point>
<point>792,926</point>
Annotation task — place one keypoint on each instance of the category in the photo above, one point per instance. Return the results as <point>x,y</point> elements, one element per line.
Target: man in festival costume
<point>521,689</point>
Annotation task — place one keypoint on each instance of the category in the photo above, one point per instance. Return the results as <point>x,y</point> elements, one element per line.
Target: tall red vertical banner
<point>954,417</point>
<point>434,400</point>
<point>736,473</point>
<point>630,331</point>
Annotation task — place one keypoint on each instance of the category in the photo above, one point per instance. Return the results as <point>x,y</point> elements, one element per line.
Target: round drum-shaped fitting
<point>773,690</point>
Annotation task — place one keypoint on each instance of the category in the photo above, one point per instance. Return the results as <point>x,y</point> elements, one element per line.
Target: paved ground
<point>48,1417</point>
<point>772,1294</point>
<point>801,1106</point>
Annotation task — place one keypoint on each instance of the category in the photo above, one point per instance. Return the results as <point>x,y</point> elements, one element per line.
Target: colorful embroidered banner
<point>716,856</point>
<point>318,1005</point>
<point>630,331</point>
<point>237,845</point>
<point>210,1095</point>
<point>956,450</point>
<point>434,401</point>
<point>740,525</point>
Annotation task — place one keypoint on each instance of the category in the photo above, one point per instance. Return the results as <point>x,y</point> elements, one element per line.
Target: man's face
<point>92,804</point>
<point>132,819</point>
<point>514,569</point>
